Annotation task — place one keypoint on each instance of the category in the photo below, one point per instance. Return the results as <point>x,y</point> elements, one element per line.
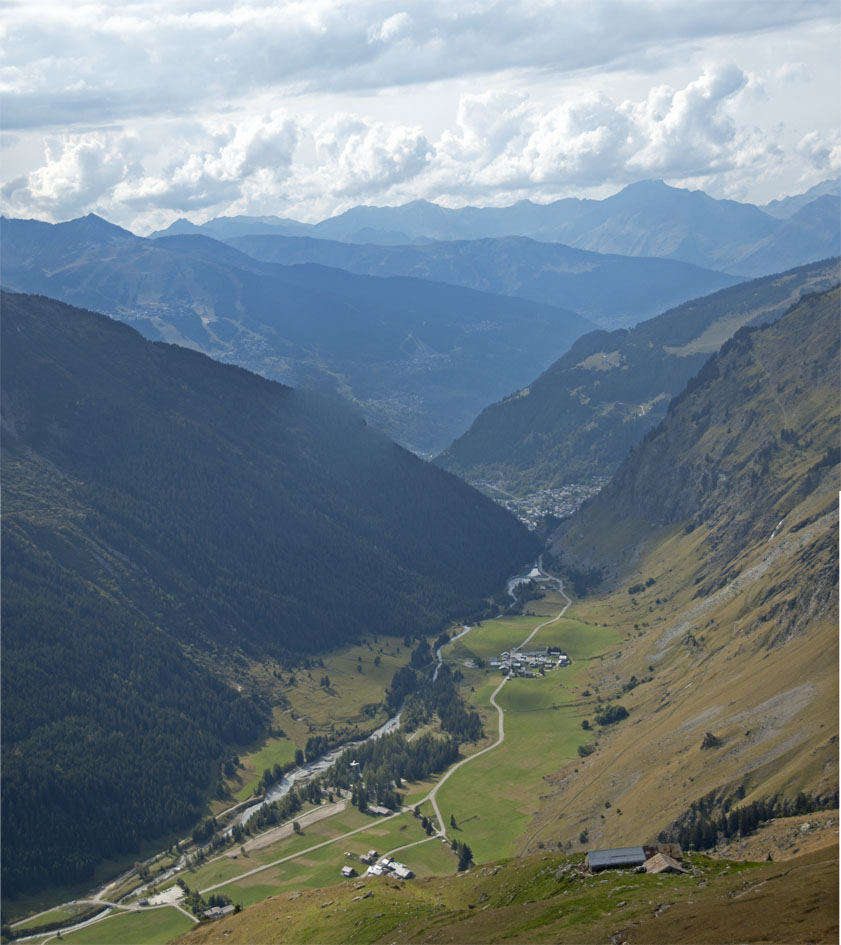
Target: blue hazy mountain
<point>612,291</point>
<point>420,358</point>
<point>648,218</point>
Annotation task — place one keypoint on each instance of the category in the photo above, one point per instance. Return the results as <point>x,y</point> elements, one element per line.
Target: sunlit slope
<point>726,584</point>
<point>582,415</point>
<point>549,899</point>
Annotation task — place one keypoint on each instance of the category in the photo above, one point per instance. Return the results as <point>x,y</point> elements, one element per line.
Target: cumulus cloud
<point>77,171</point>
<point>822,152</point>
<point>503,142</point>
<point>359,157</point>
<point>500,145</point>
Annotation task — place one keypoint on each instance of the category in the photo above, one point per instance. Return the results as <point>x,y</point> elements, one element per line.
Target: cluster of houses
<point>531,663</point>
<point>659,858</point>
<point>385,865</point>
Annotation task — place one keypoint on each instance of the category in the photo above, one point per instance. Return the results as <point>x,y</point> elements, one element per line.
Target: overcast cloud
<point>144,111</point>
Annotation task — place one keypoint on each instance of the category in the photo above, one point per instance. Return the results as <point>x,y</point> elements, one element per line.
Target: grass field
<point>544,899</point>
<point>62,914</point>
<point>322,867</point>
<point>275,751</point>
<point>155,927</point>
<point>494,798</point>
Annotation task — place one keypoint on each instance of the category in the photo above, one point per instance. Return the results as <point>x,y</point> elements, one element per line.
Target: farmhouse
<point>663,863</point>
<point>659,858</point>
<point>218,912</point>
<point>387,865</point>
<point>621,858</point>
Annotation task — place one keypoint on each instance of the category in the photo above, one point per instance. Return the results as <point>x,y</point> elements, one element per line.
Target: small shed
<point>663,863</point>
<point>621,858</point>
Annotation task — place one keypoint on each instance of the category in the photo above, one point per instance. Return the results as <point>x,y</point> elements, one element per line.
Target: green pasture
<point>152,927</point>
<point>322,867</point>
<point>61,914</point>
<point>494,797</point>
<point>491,638</point>
<point>275,751</point>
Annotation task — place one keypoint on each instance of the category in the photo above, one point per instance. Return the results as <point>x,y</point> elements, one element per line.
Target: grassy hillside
<point>548,899</point>
<point>167,521</point>
<point>725,588</point>
<point>580,417</point>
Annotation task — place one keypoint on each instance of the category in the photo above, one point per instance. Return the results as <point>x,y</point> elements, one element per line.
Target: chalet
<point>663,863</point>
<point>348,871</point>
<point>620,858</point>
<point>218,912</point>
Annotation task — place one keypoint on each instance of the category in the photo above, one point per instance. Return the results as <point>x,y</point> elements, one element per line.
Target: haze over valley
<point>420,469</point>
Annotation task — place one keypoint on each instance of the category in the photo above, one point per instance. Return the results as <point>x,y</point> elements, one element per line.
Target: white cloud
<point>822,152</point>
<point>84,61</point>
<point>308,106</point>
<point>359,158</point>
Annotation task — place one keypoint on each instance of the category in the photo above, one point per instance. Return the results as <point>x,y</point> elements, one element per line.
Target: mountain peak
<point>95,226</point>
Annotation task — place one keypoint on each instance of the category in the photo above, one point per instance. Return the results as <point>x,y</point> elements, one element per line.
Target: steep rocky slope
<point>717,544</point>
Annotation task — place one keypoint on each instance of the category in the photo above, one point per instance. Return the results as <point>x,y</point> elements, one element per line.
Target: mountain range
<point>611,291</point>
<point>419,358</point>
<point>166,516</point>
<point>648,218</point>
<point>581,416</point>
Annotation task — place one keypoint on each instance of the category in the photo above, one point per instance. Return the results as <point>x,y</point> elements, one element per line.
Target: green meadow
<point>152,927</point>
<point>494,797</point>
<point>322,867</point>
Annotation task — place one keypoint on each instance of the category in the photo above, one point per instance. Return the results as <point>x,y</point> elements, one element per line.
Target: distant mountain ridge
<point>647,218</point>
<point>420,358</point>
<point>165,518</point>
<point>581,416</point>
<point>612,291</point>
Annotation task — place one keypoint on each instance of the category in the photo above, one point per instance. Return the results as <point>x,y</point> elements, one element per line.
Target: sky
<point>144,111</point>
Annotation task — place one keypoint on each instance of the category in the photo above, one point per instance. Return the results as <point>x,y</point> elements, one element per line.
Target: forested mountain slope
<point>717,545</point>
<point>420,359</point>
<point>584,413</point>
<point>612,291</point>
<point>158,505</point>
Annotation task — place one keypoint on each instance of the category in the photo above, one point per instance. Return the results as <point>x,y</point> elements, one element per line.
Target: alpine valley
<point>270,676</point>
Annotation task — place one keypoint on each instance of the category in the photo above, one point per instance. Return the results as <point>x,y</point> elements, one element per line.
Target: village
<point>385,865</point>
<point>530,664</point>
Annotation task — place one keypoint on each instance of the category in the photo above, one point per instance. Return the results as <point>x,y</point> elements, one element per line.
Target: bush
<point>611,714</point>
